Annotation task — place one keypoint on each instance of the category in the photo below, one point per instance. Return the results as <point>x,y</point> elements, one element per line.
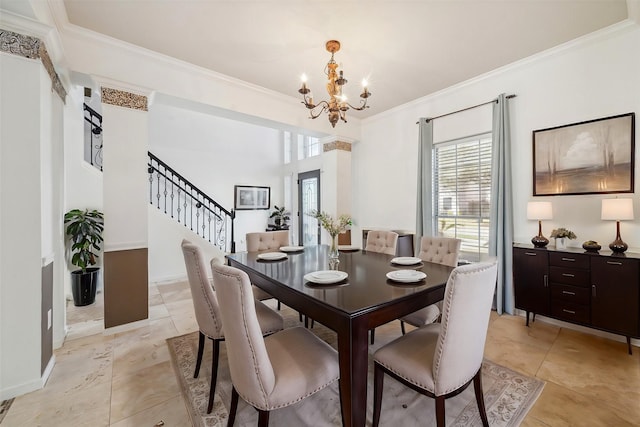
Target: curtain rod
<point>468,108</point>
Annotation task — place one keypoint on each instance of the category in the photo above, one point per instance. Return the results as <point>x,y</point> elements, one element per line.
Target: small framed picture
<point>251,197</point>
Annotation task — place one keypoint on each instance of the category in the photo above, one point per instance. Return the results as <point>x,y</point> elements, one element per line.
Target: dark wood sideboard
<point>599,290</point>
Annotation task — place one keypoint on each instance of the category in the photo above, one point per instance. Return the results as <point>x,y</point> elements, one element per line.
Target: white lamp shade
<point>617,209</point>
<point>539,210</point>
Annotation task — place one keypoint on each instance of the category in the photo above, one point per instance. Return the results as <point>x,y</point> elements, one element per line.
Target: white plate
<point>325,277</point>
<point>406,260</point>
<point>348,248</point>
<point>406,276</point>
<point>271,256</point>
<point>292,248</point>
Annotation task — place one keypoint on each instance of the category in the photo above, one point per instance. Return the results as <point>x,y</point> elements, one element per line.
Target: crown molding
<point>595,37</point>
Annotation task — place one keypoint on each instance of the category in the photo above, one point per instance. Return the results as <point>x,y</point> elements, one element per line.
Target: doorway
<point>308,200</point>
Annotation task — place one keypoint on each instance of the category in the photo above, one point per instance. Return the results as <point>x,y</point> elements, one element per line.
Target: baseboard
<point>579,328</point>
<point>37,384</point>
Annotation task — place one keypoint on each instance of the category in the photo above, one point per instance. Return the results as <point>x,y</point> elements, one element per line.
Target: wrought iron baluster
<point>172,185</point>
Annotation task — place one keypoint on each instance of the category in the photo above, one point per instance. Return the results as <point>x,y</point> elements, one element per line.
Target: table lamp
<point>539,211</point>
<point>617,210</point>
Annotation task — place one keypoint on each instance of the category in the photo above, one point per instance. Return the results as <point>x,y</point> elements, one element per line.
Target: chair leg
<point>200,351</point>
<point>402,327</point>
<point>214,373</point>
<point>378,384</point>
<point>278,305</point>
<point>477,386</point>
<point>373,336</point>
<point>300,316</point>
<point>440,411</point>
<point>233,408</point>
<point>263,418</point>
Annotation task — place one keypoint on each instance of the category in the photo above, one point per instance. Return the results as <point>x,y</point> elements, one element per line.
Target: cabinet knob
<point>546,281</point>
<point>593,290</point>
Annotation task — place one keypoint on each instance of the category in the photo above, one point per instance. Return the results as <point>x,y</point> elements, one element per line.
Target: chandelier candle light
<point>617,210</point>
<point>337,104</point>
<point>539,211</point>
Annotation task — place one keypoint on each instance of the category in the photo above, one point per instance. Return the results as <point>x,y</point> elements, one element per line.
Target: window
<point>287,147</point>
<point>308,146</point>
<point>462,192</point>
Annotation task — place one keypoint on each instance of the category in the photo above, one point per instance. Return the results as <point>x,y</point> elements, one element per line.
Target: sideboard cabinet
<point>596,289</point>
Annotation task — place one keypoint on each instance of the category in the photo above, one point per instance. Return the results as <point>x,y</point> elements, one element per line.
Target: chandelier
<point>337,105</point>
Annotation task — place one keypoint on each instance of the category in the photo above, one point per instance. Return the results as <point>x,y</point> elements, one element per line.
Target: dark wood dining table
<point>365,300</point>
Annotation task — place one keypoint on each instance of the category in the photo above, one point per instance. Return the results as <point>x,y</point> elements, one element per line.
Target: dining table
<point>365,299</point>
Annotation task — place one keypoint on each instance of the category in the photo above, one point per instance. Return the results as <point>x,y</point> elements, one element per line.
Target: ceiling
<point>406,49</point>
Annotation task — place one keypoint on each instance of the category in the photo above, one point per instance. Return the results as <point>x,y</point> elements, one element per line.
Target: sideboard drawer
<point>569,260</point>
<point>569,276</point>
<point>571,312</point>
<point>571,294</point>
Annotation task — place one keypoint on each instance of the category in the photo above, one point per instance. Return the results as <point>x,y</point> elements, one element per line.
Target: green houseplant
<point>280,215</point>
<point>84,229</point>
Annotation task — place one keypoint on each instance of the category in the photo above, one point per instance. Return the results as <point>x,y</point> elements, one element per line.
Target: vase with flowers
<point>333,227</point>
<point>560,234</point>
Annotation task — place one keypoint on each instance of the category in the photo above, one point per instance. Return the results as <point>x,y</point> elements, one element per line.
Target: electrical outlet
<point>49,319</point>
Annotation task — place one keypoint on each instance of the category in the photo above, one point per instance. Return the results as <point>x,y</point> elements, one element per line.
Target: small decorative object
<point>539,211</point>
<point>560,234</point>
<point>334,228</point>
<point>617,210</point>
<point>591,245</point>
<point>280,215</point>
<point>84,228</point>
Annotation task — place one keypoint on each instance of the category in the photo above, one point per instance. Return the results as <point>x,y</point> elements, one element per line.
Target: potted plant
<point>560,234</point>
<point>280,215</point>
<point>84,229</point>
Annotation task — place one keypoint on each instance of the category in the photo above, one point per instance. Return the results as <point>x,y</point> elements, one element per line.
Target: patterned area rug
<point>4,408</point>
<point>508,394</point>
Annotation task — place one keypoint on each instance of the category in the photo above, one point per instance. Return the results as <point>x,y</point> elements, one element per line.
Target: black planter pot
<point>84,286</point>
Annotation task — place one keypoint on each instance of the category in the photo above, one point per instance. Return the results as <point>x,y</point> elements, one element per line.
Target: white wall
<point>596,76</point>
<point>21,240</point>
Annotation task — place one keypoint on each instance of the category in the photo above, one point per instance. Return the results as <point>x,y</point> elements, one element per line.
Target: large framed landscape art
<point>591,157</point>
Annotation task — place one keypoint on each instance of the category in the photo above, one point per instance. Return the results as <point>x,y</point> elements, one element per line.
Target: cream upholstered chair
<point>272,372</point>
<point>438,250</point>
<point>441,359</point>
<point>266,241</point>
<point>382,241</point>
<point>207,310</point>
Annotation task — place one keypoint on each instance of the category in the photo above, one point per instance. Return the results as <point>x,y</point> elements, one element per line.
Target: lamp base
<point>618,246</point>
<point>540,241</point>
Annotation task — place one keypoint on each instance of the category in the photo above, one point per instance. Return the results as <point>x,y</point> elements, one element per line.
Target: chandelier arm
<point>363,105</point>
<point>325,106</point>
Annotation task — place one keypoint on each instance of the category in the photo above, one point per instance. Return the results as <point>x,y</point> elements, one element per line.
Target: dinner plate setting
<point>292,248</point>
<point>406,260</point>
<point>326,277</point>
<point>272,256</point>
<point>348,248</point>
<point>406,276</point>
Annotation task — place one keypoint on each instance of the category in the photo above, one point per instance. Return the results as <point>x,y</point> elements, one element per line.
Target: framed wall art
<point>252,198</point>
<point>596,156</point>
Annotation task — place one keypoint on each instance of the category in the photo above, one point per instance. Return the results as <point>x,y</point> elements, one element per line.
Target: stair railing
<point>177,197</point>
<point>93,135</point>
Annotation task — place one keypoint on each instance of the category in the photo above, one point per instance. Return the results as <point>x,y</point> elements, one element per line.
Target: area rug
<point>508,395</point>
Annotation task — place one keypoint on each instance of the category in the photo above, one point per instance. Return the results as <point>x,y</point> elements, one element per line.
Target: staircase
<point>188,205</point>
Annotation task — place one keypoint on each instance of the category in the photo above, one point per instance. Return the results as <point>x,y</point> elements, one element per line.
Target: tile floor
<point>126,379</point>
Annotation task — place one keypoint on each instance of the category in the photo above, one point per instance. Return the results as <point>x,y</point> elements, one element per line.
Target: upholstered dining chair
<point>384,242</point>
<point>273,372</point>
<point>438,250</point>
<point>440,360</point>
<point>266,241</point>
<point>207,310</point>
